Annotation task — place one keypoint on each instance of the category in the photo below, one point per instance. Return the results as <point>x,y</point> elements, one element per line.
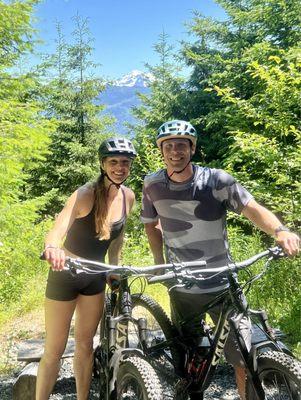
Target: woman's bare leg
<point>58,315</point>
<point>88,313</point>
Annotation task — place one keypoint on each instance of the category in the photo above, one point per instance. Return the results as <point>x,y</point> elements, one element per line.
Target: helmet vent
<point>116,146</point>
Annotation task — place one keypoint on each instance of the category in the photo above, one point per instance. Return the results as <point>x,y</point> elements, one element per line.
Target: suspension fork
<point>240,302</point>
<point>117,324</point>
<point>248,360</point>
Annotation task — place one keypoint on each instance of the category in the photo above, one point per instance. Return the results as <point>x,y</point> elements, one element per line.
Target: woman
<point>92,223</point>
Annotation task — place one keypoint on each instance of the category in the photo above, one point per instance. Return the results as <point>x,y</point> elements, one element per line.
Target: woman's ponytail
<point>102,225</point>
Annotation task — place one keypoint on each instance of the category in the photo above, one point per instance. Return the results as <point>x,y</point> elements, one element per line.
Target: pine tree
<point>221,54</point>
<point>70,98</point>
<point>162,104</point>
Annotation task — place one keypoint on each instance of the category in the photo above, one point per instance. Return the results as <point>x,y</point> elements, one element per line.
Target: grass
<point>32,297</point>
<point>20,321</point>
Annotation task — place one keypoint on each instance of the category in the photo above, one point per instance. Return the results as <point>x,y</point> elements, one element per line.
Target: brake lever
<point>73,266</point>
<point>277,252</point>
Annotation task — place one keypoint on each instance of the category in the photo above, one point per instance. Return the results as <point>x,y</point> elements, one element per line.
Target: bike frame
<point>234,307</point>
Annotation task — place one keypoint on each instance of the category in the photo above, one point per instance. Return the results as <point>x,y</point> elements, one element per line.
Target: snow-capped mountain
<point>119,97</point>
<point>135,79</point>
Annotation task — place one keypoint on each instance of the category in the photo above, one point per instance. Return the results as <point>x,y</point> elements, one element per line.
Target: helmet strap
<point>114,183</point>
<point>178,172</point>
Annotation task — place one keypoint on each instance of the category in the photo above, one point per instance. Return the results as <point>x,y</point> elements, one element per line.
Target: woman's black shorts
<point>63,286</point>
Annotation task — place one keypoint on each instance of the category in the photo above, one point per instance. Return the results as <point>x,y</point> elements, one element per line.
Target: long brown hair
<point>102,225</point>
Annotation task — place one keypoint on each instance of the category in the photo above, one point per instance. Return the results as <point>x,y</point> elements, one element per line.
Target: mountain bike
<point>272,371</point>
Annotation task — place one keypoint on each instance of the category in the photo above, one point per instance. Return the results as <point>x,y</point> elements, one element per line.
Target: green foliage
<point>265,130</point>
<point>19,255</point>
<point>23,139</point>
<point>161,105</point>
<point>278,291</point>
<point>222,54</point>
<point>16,31</point>
<point>165,86</point>
<point>136,249</point>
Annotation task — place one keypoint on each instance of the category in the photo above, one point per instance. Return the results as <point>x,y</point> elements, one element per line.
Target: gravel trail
<point>32,326</point>
<point>223,386</point>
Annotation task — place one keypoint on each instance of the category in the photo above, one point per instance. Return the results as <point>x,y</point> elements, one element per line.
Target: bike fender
<point>119,356</point>
<point>259,348</point>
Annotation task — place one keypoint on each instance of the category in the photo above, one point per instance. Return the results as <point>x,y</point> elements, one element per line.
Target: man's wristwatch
<point>281,228</point>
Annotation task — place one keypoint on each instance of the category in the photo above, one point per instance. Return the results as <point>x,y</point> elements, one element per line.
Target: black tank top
<point>82,240</point>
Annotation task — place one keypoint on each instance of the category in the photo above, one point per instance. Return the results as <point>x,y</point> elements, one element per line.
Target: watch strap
<point>281,228</point>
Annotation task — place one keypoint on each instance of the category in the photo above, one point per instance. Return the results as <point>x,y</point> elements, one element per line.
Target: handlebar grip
<point>161,278</point>
<point>115,284</point>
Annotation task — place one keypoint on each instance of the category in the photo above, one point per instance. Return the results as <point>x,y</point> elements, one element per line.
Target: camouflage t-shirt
<point>193,216</point>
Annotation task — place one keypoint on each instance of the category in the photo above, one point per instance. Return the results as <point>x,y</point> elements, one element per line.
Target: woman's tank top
<point>82,238</point>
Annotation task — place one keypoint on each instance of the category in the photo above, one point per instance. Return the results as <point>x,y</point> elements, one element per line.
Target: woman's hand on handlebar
<point>113,281</point>
<point>56,257</point>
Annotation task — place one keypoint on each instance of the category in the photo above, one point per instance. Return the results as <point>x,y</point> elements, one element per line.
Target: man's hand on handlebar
<point>289,241</point>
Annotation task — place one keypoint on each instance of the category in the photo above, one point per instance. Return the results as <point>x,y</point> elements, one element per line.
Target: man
<point>184,206</point>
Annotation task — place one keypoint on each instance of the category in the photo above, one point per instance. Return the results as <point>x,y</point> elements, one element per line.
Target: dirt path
<point>28,326</point>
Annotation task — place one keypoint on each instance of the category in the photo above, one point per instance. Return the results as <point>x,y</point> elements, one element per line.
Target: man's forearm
<point>261,217</point>
<point>269,223</point>
<point>155,239</point>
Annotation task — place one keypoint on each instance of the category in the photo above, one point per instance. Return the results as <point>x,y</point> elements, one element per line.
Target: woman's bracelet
<point>50,246</point>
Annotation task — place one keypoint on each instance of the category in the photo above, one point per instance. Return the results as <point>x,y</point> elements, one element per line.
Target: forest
<point>243,95</point>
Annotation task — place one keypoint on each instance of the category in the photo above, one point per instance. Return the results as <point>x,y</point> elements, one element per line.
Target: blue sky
<point>124,30</point>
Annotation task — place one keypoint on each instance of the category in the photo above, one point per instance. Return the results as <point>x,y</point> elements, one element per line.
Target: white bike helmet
<point>117,146</point>
<point>176,129</point>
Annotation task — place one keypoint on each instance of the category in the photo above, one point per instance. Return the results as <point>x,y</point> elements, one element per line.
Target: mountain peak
<point>135,79</point>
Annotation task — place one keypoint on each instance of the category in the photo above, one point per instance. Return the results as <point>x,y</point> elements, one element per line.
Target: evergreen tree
<point>70,98</point>
<point>163,103</point>
<point>244,95</point>
<point>221,55</point>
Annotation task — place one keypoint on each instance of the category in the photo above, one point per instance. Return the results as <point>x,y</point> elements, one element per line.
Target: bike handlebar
<point>274,252</point>
<point>185,270</point>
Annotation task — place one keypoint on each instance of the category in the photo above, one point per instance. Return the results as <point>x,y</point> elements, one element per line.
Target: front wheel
<point>280,376</point>
<point>137,380</point>
<point>159,329</point>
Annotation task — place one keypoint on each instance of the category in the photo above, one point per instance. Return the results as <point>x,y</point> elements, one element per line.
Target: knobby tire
<point>137,380</point>
<point>159,326</point>
<point>280,376</point>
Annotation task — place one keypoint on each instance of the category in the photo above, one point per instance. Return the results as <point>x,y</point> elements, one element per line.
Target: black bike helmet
<point>116,146</point>
<point>176,129</point>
